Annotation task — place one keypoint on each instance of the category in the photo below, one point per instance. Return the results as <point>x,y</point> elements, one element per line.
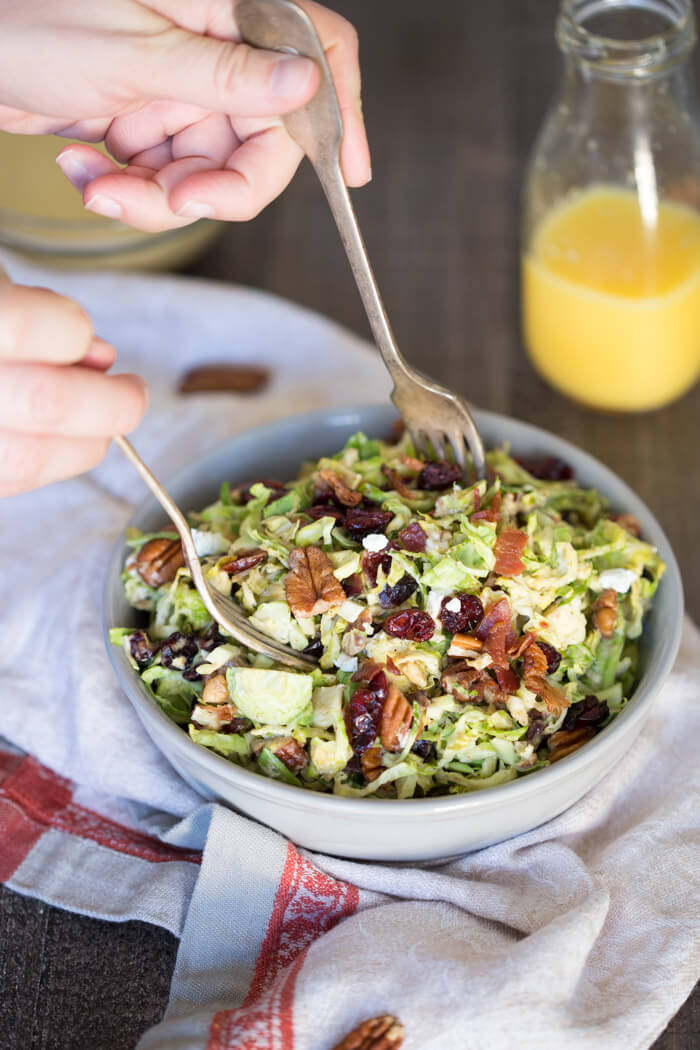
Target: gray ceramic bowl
<point>411,829</point>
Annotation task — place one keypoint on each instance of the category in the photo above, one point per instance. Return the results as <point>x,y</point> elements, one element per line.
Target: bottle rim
<point>621,58</point>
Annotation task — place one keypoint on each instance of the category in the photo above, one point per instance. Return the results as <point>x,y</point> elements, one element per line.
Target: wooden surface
<point>454,92</point>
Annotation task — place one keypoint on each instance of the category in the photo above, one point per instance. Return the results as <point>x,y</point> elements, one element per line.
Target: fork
<point>433,415</point>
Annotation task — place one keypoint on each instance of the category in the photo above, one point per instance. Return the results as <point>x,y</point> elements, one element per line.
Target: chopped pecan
<point>519,646</point>
<point>245,560</point>
<point>508,550</point>
<point>535,666</point>
<point>397,483</point>
<point>605,612</point>
<point>371,763</point>
<point>347,496</point>
<point>416,465</point>
<point>628,522</point>
<point>564,741</point>
<point>397,715</point>
<point>289,751</point>
<point>378,1033</point>
<point>213,716</point>
<point>158,561</point>
<point>216,690</point>
<point>310,585</point>
<point>464,645</point>
<point>492,512</point>
<point>224,378</point>
<point>534,662</point>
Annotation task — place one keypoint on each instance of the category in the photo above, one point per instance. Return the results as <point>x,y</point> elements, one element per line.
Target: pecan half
<point>244,561</point>
<point>535,665</point>
<point>310,585</point>
<point>216,690</point>
<point>347,496</point>
<point>158,561</point>
<point>378,1033</point>
<point>605,612</point>
<point>397,715</point>
<point>224,378</point>
<point>564,741</point>
<point>371,763</point>
<point>464,645</point>
<point>289,751</point>
<point>534,662</point>
<point>628,522</point>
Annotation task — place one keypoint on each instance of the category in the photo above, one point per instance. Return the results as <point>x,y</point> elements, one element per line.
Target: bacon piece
<point>507,679</point>
<point>492,512</point>
<point>368,672</point>
<point>396,483</point>
<point>416,465</point>
<point>347,496</point>
<point>245,560</point>
<point>509,547</point>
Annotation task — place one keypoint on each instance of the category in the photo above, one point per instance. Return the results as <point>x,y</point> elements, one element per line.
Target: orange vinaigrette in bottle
<point>611,253</point>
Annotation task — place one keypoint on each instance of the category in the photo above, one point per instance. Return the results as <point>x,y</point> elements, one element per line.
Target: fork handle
<point>280,25</point>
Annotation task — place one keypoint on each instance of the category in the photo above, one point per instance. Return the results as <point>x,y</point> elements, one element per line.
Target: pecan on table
<point>158,561</point>
<point>605,612</point>
<point>378,1033</point>
<point>224,379</point>
<point>310,585</point>
<point>397,715</point>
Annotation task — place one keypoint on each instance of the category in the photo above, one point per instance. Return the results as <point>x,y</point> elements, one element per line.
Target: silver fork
<point>431,413</point>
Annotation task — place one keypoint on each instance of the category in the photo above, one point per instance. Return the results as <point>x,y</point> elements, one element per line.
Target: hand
<point>58,410</point>
<point>191,112</point>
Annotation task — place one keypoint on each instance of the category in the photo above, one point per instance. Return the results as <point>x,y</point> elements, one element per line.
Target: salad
<point>465,635</point>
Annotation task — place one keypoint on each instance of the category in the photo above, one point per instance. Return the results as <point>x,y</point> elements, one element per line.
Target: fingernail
<point>290,76</point>
<point>196,210</point>
<point>101,205</point>
<point>77,173</point>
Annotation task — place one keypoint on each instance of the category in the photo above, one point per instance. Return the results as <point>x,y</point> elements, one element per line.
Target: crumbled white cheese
<point>346,663</point>
<point>375,542</point>
<point>619,580</point>
<point>454,605</point>
<point>433,602</point>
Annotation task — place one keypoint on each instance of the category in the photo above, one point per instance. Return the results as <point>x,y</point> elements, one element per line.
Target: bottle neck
<point>625,41</point>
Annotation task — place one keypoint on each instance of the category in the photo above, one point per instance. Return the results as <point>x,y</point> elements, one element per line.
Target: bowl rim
<point>445,806</point>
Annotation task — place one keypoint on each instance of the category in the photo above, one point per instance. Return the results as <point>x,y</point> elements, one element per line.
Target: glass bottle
<point>611,223</point>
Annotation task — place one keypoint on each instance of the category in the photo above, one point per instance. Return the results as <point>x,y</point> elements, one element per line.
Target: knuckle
<point>230,68</point>
<point>48,402</point>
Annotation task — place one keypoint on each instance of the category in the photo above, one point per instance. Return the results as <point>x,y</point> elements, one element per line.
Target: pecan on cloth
<point>310,584</point>
<point>378,1033</point>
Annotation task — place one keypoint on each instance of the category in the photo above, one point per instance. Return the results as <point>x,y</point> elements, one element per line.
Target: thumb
<point>228,77</point>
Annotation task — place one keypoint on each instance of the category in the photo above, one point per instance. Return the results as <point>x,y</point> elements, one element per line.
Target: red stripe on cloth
<point>308,903</point>
<point>46,800</point>
<point>18,834</point>
<point>9,762</point>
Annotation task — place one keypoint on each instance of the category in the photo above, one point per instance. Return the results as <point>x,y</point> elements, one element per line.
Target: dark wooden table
<point>454,92</point>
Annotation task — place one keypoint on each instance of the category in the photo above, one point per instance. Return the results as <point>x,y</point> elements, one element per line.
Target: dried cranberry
<point>412,623</point>
<point>364,713</point>
<point>535,731</point>
<point>141,648</point>
<point>211,638</point>
<point>425,749</point>
<point>352,585</point>
<point>237,725</point>
<point>360,522</point>
<point>547,468</point>
<point>587,712</point>
<point>314,648</point>
<point>466,618</point>
<point>553,656</point>
<point>192,675</point>
<point>390,597</point>
<point>178,646</point>
<point>413,538</point>
<point>325,510</point>
<point>371,562</point>
<point>438,475</point>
